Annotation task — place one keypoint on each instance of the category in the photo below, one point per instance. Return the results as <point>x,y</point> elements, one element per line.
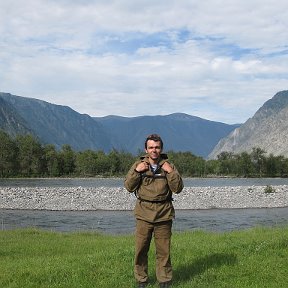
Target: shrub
<point>269,189</point>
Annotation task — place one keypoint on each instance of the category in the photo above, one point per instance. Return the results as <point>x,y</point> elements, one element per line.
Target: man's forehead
<point>153,143</point>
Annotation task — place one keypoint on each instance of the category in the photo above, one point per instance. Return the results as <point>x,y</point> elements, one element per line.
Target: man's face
<point>153,149</point>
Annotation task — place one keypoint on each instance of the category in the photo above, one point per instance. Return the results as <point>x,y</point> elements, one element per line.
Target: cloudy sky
<point>216,59</point>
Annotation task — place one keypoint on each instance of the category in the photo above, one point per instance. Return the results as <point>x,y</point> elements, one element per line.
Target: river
<point>122,222</point>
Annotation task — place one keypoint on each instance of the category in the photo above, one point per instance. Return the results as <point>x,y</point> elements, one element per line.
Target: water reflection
<point>122,222</point>
<point>230,219</point>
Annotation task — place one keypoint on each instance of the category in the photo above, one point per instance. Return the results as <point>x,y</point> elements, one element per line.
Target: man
<point>153,179</point>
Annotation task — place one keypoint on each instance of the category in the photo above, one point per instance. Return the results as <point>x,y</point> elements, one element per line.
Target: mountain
<point>11,121</point>
<point>267,129</point>
<point>55,124</point>
<point>59,125</point>
<point>179,131</point>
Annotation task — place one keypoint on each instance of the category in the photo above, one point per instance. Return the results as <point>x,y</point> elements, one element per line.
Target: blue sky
<point>216,59</point>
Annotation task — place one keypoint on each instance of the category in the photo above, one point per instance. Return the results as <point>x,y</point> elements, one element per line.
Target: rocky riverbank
<point>103,198</point>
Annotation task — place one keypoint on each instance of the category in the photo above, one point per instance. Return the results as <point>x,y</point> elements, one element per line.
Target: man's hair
<point>154,137</point>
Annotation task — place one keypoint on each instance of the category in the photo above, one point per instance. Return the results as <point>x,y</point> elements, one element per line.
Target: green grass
<point>250,258</point>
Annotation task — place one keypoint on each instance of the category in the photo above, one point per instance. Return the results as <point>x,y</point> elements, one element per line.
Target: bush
<point>269,189</point>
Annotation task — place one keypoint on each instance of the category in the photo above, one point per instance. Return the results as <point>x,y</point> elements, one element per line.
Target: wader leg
<point>162,238</point>
<point>143,237</point>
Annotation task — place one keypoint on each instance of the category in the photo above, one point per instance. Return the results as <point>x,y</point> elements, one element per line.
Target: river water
<point>122,222</point>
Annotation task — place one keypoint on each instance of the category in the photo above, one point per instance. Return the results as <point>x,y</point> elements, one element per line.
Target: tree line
<point>25,156</point>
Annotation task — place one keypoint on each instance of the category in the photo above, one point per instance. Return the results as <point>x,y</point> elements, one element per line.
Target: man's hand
<point>167,167</point>
<point>142,167</point>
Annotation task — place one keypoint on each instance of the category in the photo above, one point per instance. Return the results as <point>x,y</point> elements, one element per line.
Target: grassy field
<point>250,258</point>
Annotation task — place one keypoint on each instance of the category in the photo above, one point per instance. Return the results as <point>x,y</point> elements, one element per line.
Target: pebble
<point>104,198</point>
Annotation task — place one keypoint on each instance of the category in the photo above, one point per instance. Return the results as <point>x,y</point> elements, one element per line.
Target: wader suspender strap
<point>168,199</point>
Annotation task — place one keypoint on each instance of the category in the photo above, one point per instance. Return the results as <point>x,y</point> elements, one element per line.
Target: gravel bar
<point>105,198</point>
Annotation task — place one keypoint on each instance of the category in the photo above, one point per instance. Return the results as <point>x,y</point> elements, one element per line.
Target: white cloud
<point>219,60</point>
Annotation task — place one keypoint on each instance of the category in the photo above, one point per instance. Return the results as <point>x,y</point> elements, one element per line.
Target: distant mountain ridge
<point>267,129</point>
<point>10,120</point>
<point>180,132</point>
<point>59,125</point>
